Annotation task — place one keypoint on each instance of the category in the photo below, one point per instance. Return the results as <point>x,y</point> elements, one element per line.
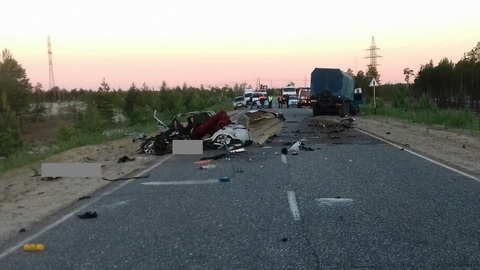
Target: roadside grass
<point>225,105</point>
<point>448,119</point>
<point>27,156</point>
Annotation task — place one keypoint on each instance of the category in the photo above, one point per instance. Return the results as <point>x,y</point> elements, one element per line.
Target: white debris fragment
<point>295,147</point>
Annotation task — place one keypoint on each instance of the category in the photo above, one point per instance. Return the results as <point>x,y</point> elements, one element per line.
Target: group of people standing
<point>282,99</point>
<point>262,99</point>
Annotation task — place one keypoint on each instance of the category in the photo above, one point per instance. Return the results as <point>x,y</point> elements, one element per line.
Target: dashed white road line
<point>188,182</point>
<point>292,201</point>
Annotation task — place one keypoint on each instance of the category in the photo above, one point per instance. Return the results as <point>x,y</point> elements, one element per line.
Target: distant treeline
<point>447,85</point>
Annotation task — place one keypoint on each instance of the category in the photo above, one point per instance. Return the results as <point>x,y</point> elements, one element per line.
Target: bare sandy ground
<point>457,148</point>
<point>25,200</point>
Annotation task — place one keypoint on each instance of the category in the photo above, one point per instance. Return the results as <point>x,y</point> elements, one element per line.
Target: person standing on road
<point>280,101</point>
<point>270,101</point>
<point>262,100</point>
<point>287,99</point>
<point>251,101</point>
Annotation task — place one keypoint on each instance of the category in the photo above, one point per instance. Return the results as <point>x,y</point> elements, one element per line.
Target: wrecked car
<point>215,129</point>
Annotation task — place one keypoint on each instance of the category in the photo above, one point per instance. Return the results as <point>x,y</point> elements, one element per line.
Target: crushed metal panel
<point>262,125</point>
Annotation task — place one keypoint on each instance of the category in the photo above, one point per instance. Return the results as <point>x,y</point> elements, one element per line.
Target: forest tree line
<point>448,85</point>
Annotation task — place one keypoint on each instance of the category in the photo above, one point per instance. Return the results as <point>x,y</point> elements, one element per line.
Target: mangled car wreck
<point>217,130</point>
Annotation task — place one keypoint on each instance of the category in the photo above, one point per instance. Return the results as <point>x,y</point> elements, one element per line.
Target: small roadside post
<point>373,83</point>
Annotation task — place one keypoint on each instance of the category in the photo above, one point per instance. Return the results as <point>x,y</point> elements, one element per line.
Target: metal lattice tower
<point>51,80</point>
<point>373,54</point>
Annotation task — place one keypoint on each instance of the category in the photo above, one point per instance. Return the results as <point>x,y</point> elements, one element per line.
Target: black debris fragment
<point>224,179</point>
<point>84,197</point>
<point>87,215</point>
<point>48,178</point>
<point>387,133</point>
<point>284,151</point>
<point>284,239</point>
<point>216,157</point>
<point>240,171</point>
<point>125,159</point>
<point>22,230</point>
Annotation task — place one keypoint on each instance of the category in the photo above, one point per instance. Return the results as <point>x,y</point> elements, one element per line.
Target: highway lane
<point>390,210</point>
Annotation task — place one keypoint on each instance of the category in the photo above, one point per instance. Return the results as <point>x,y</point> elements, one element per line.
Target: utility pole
<point>51,80</point>
<point>373,64</point>
<point>373,54</point>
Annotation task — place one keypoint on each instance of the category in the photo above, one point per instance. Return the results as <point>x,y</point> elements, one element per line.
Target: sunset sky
<point>220,42</point>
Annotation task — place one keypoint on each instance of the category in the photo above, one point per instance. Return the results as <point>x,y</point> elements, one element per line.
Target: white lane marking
<point>73,212</point>
<point>284,158</point>
<point>424,157</point>
<point>292,201</point>
<point>331,201</point>
<point>189,182</point>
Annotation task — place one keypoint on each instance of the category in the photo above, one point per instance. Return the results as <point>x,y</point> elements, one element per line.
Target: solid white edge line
<point>292,201</point>
<point>67,216</point>
<point>421,156</point>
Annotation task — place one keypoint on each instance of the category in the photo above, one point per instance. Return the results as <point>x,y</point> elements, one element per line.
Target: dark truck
<point>332,92</point>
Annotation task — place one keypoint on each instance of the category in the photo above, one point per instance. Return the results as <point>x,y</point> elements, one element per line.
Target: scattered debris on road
<point>88,215</point>
<point>224,179</point>
<point>125,159</point>
<point>208,167</point>
<point>215,129</point>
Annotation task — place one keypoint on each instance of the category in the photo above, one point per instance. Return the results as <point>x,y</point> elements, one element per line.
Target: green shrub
<point>66,133</point>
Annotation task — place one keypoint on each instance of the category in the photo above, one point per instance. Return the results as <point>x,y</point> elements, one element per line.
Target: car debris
<point>202,162</point>
<point>125,159</point>
<point>88,215</point>
<point>224,179</point>
<point>207,167</point>
<point>215,129</point>
<point>295,146</point>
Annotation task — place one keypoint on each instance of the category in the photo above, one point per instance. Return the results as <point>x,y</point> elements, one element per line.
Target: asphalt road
<point>354,202</point>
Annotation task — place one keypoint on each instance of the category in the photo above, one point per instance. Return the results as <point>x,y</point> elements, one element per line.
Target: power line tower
<point>373,54</point>
<point>51,80</point>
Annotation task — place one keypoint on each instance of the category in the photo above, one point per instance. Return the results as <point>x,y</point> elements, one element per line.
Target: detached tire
<point>325,99</point>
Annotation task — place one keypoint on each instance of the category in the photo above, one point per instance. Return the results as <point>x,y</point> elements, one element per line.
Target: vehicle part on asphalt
<point>88,215</point>
<point>207,167</point>
<point>33,247</point>
<point>125,159</point>
<point>224,179</point>
<point>295,146</point>
<point>203,162</point>
<point>333,201</point>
